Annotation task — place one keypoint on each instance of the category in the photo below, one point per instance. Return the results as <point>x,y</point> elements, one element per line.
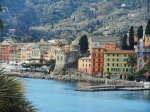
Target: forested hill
<point>66,18</point>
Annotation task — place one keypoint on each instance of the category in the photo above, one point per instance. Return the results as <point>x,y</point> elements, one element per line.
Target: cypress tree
<point>147,31</point>
<point>140,32</point>
<point>83,42</point>
<point>131,38</point>
<point>124,42</point>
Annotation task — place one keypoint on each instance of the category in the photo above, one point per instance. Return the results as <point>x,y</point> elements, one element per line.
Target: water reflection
<point>137,95</point>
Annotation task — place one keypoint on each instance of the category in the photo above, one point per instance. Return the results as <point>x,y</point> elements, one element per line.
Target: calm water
<point>55,96</point>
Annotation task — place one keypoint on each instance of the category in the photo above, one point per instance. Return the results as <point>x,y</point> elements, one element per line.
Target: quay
<point>110,88</point>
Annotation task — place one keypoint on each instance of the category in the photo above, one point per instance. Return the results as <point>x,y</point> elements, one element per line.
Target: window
<point>99,54</point>
<point>93,59</point>
<point>111,69</point>
<point>98,69</point>
<point>99,60</point>
<point>89,65</point>
<point>117,59</point>
<point>108,54</point>
<point>113,59</point>
<point>107,64</point>
<point>82,65</point>
<point>112,64</point>
<point>108,59</point>
<point>117,64</point>
<point>98,64</point>
<point>107,69</point>
<point>113,55</point>
<point>125,65</point>
<point>57,57</point>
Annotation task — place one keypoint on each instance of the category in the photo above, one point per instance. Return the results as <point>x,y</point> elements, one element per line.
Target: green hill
<point>67,18</point>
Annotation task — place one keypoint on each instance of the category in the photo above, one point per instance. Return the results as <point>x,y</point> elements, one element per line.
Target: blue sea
<point>57,96</point>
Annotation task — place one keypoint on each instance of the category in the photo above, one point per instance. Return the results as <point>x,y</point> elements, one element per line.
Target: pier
<point>110,88</point>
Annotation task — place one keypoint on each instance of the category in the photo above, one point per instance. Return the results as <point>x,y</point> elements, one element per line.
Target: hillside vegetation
<point>68,18</point>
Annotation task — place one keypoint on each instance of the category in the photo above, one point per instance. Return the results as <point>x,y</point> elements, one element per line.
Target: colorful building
<point>13,53</point>
<point>84,65</point>
<point>115,62</point>
<point>146,40</point>
<point>4,52</point>
<point>97,59</point>
<point>26,54</point>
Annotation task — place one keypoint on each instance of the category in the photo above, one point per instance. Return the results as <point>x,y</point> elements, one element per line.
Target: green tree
<point>132,61</point>
<point>124,42</point>
<point>51,63</point>
<point>60,44</point>
<point>147,66</point>
<point>140,32</point>
<point>12,95</point>
<point>83,42</point>
<point>147,31</point>
<point>131,38</point>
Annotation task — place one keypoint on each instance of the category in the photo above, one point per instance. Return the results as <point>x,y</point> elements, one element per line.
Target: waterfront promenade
<point>82,78</point>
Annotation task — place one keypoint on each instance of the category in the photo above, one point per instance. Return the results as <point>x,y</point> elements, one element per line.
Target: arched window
<point>57,57</point>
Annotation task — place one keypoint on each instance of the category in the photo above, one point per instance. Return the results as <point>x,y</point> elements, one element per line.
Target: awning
<point>146,74</point>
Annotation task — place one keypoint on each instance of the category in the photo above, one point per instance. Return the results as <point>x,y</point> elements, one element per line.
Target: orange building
<point>94,64</point>
<point>4,52</point>
<point>13,53</point>
<point>146,41</point>
<point>97,61</point>
<point>109,47</point>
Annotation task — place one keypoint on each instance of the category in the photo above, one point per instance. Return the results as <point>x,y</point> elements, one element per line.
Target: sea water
<point>57,96</point>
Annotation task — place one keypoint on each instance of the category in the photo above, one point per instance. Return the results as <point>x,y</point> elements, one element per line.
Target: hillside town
<point>105,58</point>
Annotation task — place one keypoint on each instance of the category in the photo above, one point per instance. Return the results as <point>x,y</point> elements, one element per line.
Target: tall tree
<point>140,32</point>
<point>83,42</point>
<point>124,42</point>
<point>132,61</point>
<point>147,31</point>
<point>131,38</point>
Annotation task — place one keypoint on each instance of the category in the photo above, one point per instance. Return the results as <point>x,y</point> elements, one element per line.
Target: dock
<point>110,88</point>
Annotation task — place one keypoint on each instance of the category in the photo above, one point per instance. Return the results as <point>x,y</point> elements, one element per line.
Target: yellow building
<point>115,62</point>
<point>26,53</point>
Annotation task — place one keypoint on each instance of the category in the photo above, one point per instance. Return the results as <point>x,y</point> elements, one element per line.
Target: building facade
<point>115,62</point>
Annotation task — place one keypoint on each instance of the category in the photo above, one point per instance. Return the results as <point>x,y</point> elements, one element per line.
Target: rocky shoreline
<point>76,78</point>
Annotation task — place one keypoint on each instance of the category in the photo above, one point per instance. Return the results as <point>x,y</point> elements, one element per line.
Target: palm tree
<point>12,98</point>
<point>131,62</point>
<point>147,66</point>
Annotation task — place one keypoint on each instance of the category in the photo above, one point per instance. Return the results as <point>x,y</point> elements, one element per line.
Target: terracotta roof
<point>120,51</point>
<point>84,58</point>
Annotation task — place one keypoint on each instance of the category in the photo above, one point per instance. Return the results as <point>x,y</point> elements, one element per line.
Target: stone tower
<point>65,60</point>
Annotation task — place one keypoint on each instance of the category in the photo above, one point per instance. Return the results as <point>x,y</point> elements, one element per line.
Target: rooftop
<point>121,51</point>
